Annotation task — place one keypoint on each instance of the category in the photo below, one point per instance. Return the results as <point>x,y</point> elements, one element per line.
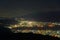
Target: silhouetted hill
<point>24,36</point>
<point>45,16</point>
<point>7,21</point>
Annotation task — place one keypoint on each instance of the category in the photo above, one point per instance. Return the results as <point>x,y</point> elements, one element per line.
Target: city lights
<point>10,27</point>
<point>31,24</point>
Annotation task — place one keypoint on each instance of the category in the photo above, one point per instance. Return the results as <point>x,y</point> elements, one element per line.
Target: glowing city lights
<point>31,24</point>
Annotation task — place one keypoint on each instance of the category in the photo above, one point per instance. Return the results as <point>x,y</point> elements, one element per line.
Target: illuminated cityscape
<point>36,27</point>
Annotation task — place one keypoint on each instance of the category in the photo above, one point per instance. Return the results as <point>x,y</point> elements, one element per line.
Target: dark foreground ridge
<point>21,36</point>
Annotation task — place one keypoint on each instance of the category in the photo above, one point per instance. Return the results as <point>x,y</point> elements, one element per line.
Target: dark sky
<point>13,8</point>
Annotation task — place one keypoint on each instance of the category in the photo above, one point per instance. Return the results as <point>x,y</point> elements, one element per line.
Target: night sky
<point>16,8</point>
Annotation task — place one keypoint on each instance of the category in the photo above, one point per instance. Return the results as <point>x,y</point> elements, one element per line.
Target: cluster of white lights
<point>32,24</point>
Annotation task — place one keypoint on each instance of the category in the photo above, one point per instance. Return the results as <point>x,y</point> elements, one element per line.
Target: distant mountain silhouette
<point>47,16</point>
<point>7,21</point>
